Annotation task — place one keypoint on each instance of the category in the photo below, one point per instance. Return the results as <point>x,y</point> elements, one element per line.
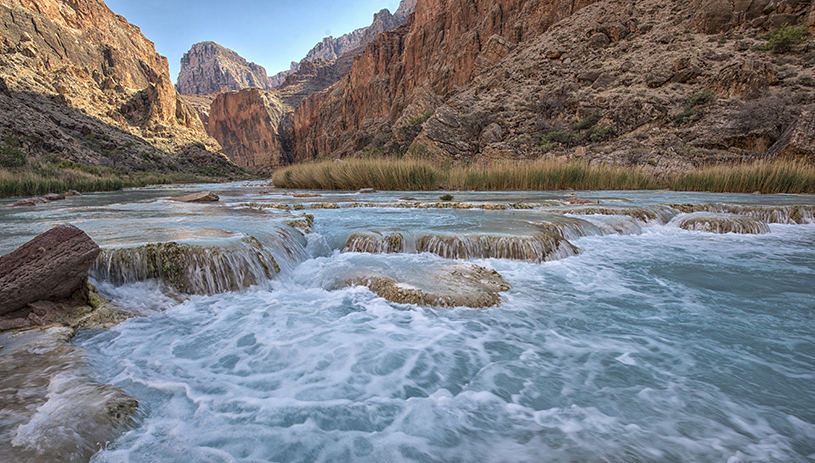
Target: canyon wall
<point>665,84</point>
<point>83,84</point>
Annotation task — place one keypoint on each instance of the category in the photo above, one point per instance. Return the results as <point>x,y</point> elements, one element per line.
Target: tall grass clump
<point>764,177</point>
<point>550,175</point>
<point>382,174</point>
<point>38,179</point>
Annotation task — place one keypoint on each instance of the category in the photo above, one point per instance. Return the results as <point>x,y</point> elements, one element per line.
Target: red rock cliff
<point>401,71</point>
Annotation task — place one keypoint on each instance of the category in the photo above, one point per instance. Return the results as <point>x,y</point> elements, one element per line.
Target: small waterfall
<point>189,268</point>
<point>720,223</point>
<point>651,215</point>
<point>375,243</point>
<point>541,247</point>
<point>569,228</point>
<point>799,214</point>
<point>616,224</point>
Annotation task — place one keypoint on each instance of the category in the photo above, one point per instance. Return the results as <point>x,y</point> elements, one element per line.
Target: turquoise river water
<point>650,343</point>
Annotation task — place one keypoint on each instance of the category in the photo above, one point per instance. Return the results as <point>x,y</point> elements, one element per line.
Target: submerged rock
<point>53,266</point>
<point>451,285</point>
<point>189,268</point>
<point>721,223</point>
<point>540,247</point>
<point>51,409</point>
<point>796,214</point>
<point>200,197</point>
<point>375,243</point>
<point>305,224</point>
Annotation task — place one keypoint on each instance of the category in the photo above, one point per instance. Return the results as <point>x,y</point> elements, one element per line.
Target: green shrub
<point>697,99</point>
<point>783,39</point>
<point>689,114</point>
<point>446,197</point>
<point>588,122</point>
<point>11,157</point>
<point>421,119</point>
<point>600,133</point>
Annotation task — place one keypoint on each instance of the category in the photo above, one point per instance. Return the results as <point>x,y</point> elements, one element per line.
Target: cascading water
<point>374,242</point>
<point>653,344</point>
<point>540,247</point>
<point>720,223</point>
<point>190,268</point>
<point>797,214</point>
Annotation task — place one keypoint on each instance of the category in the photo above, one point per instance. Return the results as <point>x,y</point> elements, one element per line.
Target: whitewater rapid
<point>651,343</point>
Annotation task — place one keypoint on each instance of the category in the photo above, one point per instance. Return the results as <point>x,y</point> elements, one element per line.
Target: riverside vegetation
<point>551,174</point>
<point>42,176</point>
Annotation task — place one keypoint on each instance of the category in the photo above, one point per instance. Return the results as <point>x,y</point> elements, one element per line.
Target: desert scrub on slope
<point>418,120</point>
<point>785,38</point>
<point>11,156</point>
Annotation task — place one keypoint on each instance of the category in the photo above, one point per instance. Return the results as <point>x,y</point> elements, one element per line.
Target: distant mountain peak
<point>210,68</point>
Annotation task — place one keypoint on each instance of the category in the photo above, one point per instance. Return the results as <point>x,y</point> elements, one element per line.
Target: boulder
<point>200,197</point>
<point>28,202</point>
<point>599,40</point>
<point>53,197</point>
<point>714,17</point>
<point>53,266</point>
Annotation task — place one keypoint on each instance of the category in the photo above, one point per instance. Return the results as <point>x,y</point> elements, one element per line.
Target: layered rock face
<point>246,123</point>
<point>254,126</point>
<point>639,82</point>
<point>83,84</point>
<point>437,50</point>
<point>210,68</point>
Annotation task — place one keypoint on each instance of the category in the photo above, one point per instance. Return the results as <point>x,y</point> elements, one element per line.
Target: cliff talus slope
<point>85,85</point>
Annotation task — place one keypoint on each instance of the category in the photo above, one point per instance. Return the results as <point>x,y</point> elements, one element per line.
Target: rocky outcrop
<point>247,125</point>
<point>717,16</point>
<point>332,48</point>
<point>211,68</point>
<point>277,79</point>
<point>744,79</point>
<point>437,50</point>
<point>798,142</point>
<point>51,267</point>
<point>85,85</point>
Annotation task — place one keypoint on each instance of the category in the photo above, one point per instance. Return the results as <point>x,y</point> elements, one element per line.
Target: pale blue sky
<point>271,33</point>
